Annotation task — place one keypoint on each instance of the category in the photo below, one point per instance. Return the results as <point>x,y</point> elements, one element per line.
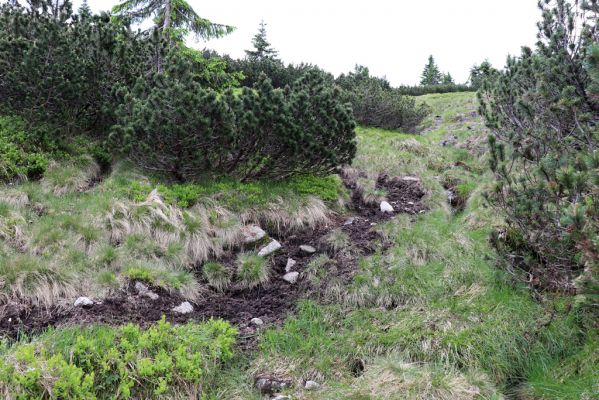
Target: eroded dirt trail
<point>270,302</point>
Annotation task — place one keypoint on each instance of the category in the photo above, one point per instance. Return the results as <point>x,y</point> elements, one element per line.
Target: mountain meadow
<point>177,223</point>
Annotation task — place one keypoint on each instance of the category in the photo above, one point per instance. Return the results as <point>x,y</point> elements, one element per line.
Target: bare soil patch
<point>270,302</point>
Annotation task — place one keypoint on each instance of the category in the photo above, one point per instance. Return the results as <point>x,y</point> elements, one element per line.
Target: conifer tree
<point>172,17</point>
<point>447,79</point>
<point>543,112</point>
<point>262,48</point>
<point>431,75</point>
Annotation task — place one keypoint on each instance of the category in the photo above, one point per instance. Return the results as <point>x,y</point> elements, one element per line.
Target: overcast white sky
<point>392,37</point>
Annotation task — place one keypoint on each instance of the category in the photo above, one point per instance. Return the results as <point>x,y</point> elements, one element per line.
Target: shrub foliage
<point>543,109</point>
<point>174,125</point>
<point>376,103</point>
<point>127,362</point>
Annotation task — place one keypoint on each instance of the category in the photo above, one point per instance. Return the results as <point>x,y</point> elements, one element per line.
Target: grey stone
<point>143,290</point>
<point>281,397</point>
<point>270,248</point>
<point>83,302</point>
<point>307,249</point>
<point>410,179</point>
<point>270,385</point>
<point>183,308</point>
<point>290,264</point>
<point>311,385</point>
<point>350,221</point>
<point>252,234</point>
<point>386,207</point>
<point>257,321</point>
<point>291,277</point>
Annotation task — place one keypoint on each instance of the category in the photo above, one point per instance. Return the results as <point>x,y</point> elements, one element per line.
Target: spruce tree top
<point>262,48</point>
<point>431,74</point>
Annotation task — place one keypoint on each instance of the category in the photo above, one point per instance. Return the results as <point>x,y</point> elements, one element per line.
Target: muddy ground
<point>270,302</point>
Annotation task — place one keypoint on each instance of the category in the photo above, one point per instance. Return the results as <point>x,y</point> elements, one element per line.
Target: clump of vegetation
<point>217,275</point>
<point>252,270</point>
<point>542,110</point>
<point>127,362</point>
<point>21,152</point>
<point>375,103</point>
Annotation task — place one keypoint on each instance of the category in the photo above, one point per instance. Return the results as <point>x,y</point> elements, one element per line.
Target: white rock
<point>83,302</point>
<point>183,308</point>
<point>252,234</point>
<point>151,295</point>
<point>291,277</point>
<point>257,321</point>
<point>281,397</point>
<point>311,385</point>
<point>290,264</point>
<point>143,290</point>
<point>350,221</point>
<point>410,179</point>
<point>307,249</point>
<point>270,248</point>
<point>386,207</point>
<point>140,287</point>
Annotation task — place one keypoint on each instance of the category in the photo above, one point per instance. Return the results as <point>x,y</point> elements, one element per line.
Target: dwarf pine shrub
<point>543,110</point>
<point>170,123</point>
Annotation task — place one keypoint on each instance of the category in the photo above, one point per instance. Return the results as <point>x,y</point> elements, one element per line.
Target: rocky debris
<point>349,222</point>
<point>252,234</point>
<point>311,385</point>
<point>257,321</point>
<point>269,385</point>
<point>270,248</point>
<point>143,290</point>
<point>307,249</point>
<point>183,308</point>
<point>291,277</point>
<point>83,302</point>
<point>281,397</point>
<point>290,264</point>
<point>386,207</point>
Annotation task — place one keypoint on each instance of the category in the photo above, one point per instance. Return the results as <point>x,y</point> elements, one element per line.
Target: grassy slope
<point>430,319</point>
<point>458,328</point>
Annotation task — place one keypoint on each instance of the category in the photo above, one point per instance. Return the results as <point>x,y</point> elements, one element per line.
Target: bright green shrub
<point>123,363</point>
<point>20,151</point>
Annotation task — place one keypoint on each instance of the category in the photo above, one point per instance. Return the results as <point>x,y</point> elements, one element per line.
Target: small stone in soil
<point>350,221</point>
<point>257,321</point>
<point>270,248</point>
<point>270,385</point>
<point>281,397</point>
<point>291,277</point>
<point>83,302</point>
<point>311,385</point>
<point>252,234</point>
<point>307,249</point>
<point>183,308</point>
<point>290,264</point>
<point>386,207</point>
<point>143,290</point>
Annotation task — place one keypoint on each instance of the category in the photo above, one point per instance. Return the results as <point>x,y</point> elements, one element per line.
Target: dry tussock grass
<point>63,178</point>
<point>283,216</point>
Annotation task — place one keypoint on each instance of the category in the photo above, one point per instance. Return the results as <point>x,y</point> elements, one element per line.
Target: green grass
<point>430,318</point>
